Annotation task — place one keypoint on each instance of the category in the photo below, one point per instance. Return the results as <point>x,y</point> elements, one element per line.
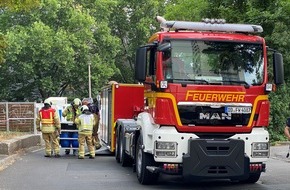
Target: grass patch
<point>10,135</point>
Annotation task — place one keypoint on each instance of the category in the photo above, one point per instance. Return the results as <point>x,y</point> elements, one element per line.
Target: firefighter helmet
<point>47,101</point>
<point>86,101</point>
<point>84,108</point>
<point>77,102</point>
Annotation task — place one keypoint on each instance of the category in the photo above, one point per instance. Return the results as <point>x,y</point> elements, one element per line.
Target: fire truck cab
<point>201,107</point>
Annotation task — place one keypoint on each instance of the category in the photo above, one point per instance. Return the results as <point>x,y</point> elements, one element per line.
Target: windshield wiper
<point>246,85</point>
<point>196,81</point>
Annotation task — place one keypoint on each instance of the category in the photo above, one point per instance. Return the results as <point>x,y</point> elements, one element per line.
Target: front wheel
<point>142,160</point>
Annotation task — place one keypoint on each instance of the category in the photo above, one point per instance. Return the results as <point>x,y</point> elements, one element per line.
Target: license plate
<point>238,109</point>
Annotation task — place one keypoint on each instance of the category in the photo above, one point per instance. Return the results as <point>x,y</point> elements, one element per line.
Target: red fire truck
<point>200,108</point>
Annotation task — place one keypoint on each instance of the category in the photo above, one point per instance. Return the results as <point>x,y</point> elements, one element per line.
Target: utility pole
<point>90,88</point>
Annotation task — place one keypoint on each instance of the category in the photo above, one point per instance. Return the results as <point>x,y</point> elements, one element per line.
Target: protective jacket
<point>85,123</point>
<point>71,113</point>
<point>49,120</point>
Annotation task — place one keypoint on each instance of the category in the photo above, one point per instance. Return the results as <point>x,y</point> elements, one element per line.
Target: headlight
<point>166,145</point>
<point>261,146</point>
<point>165,149</point>
<point>260,149</point>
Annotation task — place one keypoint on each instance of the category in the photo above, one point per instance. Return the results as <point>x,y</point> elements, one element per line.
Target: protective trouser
<point>96,140</point>
<point>86,138</point>
<point>51,142</point>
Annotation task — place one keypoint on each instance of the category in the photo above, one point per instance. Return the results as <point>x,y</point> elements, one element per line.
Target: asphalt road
<point>32,171</point>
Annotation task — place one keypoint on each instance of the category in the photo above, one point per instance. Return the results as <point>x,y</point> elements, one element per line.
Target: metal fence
<point>18,116</point>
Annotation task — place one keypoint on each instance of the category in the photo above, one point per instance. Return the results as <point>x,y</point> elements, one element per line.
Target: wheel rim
<point>139,161</point>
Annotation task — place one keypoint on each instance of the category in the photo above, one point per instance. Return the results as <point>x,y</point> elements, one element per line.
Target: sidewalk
<point>11,149</point>
<point>280,151</point>
<point>7,160</point>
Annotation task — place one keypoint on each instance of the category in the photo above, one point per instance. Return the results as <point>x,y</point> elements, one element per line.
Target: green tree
<point>280,110</point>
<point>17,5</point>
<point>50,49</point>
<point>3,46</point>
<point>14,6</point>
<point>186,10</point>
<point>133,22</point>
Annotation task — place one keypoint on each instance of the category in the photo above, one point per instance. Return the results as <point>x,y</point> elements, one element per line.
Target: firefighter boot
<point>67,151</point>
<point>97,142</point>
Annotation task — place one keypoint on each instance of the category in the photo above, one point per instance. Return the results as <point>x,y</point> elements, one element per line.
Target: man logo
<point>216,116</point>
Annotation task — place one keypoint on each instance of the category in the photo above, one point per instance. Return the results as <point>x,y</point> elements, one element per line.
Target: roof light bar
<point>209,25</point>
<point>214,21</point>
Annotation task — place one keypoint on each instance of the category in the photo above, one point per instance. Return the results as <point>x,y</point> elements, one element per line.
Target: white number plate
<point>238,109</point>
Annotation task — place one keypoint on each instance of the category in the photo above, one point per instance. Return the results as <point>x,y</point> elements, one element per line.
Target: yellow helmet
<point>84,108</point>
<point>47,101</point>
<point>77,102</point>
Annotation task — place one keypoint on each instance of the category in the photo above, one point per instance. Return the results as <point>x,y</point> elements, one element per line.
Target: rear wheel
<point>117,147</point>
<point>142,160</point>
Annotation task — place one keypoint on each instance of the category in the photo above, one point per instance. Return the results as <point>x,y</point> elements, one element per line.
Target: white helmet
<point>47,101</point>
<point>84,108</point>
<point>87,101</point>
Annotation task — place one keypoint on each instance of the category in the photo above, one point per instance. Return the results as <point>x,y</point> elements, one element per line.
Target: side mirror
<point>278,68</point>
<point>140,64</point>
<point>164,47</point>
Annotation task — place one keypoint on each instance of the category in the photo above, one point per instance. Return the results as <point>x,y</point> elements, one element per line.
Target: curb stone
<point>11,146</point>
<point>11,149</point>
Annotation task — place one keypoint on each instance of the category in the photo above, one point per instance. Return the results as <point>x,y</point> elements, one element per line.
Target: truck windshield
<point>214,62</point>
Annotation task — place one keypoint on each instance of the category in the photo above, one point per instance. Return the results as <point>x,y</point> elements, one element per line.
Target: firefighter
<point>48,123</point>
<point>70,113</point>
<point>94,110</point>
<point>287,129</point>
<point>85,123</point>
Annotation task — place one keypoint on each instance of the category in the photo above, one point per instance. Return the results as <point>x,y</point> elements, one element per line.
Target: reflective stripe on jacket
<point>70,113</point>
<point>85,123</point>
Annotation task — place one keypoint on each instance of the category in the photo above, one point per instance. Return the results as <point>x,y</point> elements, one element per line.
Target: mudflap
<point>215,159</point>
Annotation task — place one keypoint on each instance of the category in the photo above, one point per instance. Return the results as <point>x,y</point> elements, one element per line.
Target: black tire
<point>125,159</point>
<point>117,146</point>
<point>143,159</point>
<point>253,178</point>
